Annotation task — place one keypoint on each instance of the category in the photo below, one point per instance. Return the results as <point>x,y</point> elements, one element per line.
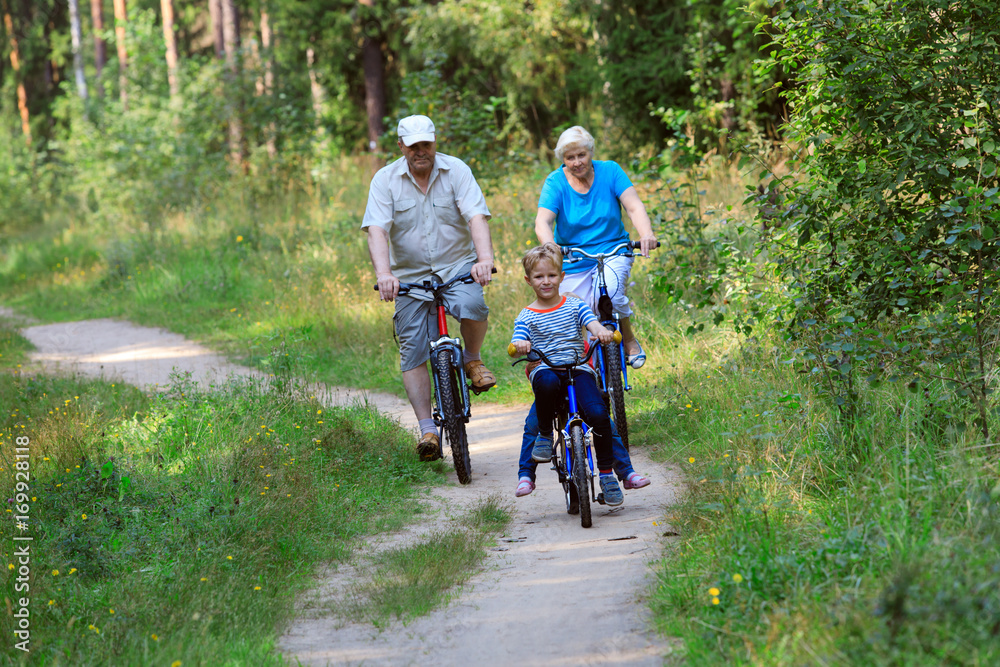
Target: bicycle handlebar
<point>569,251</point>
<point>433,285</point>
<point>538,355</point>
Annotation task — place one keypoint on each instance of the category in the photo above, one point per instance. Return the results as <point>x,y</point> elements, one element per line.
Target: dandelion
<point>94,628</point>
<point>52,602</point>
<point>688,405</point>
<point>737,577</point>
<point>155,638</point>
<point>84,517</point>
<point>175,663</point>
<point>239,239</point>
<point>204,578</point>
<point>72,570</point>
<point>715,600</point>
<point>111,611</point>
<point>229,557</point>
<point>690,459</point>
<point>256,588</point>
<point>714,592</point>
<point>55,573</point>
<point>10,566</point>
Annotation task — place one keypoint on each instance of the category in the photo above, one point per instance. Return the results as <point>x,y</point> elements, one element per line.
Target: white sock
<point>467,357</point>
<point>427,426</point>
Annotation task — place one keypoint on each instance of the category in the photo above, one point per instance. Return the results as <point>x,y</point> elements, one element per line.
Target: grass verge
<point>410,581</point>
<point>809,540</point>
<point>180,527</point>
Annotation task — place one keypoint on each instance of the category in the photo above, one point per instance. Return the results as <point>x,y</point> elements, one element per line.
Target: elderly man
<point>426,218</point>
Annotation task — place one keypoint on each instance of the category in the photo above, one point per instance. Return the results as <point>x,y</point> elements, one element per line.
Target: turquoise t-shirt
<point>592,221</point>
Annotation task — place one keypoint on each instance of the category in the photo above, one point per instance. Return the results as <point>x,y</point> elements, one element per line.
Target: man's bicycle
<point>451,387</point>
<point>611,361</point>
<point>573,458</point>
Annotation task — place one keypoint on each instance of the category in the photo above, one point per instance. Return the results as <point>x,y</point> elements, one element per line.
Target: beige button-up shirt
<point>428,233</point>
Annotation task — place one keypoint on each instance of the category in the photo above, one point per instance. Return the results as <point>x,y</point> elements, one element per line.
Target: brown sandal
<point>481,377</point>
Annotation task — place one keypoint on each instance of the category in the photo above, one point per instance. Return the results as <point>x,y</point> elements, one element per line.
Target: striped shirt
<point>556,331</point>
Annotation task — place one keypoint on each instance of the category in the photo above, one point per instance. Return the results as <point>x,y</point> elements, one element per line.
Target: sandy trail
<point>552,593</point>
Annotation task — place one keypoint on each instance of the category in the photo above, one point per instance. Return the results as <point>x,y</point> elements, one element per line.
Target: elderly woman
<point>584,198</point>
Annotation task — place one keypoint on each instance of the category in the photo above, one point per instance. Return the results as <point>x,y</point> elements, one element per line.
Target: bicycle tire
<point>581,473</point>
<point>451,414</point>
<point>616,390</point>
<point>562,470</point>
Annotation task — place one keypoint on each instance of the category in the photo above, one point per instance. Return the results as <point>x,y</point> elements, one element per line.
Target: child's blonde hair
<point>547,252</point>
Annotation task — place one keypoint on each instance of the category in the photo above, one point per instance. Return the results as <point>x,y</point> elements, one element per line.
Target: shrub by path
<point>551,592</point>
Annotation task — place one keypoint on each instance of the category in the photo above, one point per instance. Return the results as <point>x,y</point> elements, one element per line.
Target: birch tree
<point>76,37</point>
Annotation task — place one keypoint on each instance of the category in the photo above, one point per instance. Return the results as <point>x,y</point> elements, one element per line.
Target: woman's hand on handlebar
<point>647,243</point>
<point>388,286</point>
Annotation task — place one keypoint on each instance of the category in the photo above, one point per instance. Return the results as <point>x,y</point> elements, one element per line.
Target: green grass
<point>409,581</point>
<point>805,540</point>
<point>182,526</point>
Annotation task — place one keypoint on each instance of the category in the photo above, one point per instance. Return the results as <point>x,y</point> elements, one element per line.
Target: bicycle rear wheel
<point>562,469</point>
<point>452,412</point>
<point>616,390</point>
<point>581,473</point>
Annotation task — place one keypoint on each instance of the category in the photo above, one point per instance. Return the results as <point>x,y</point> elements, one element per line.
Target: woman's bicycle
<point>573,458</point>
<point>451,387</point>
<point>611,361</point>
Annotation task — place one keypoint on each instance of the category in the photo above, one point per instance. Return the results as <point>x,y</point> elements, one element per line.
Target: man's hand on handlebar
<point>482,272</point>
<point>388,286</point>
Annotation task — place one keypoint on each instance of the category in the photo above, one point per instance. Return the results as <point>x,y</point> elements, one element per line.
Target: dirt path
<point>551,593</point>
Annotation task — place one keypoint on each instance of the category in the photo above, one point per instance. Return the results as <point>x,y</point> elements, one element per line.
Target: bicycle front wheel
<point>452,414</point>
<point>581,473</point>
<point>616,390</point>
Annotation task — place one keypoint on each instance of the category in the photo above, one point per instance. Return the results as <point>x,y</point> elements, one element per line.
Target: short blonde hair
<point>548,252</point>
<point>574,137</point>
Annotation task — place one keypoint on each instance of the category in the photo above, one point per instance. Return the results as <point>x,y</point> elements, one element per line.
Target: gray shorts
<point>416,319</point>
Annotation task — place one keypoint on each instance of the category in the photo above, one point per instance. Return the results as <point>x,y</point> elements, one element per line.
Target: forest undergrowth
<point>804,536</point>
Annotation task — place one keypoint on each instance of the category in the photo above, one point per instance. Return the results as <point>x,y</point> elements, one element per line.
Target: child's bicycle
<point>573,458</point>
<point>451,388</point>
<point>612,362</point>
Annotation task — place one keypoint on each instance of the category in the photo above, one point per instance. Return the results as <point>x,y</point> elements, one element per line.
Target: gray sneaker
<point>613,495</point>
<point>542,451</point>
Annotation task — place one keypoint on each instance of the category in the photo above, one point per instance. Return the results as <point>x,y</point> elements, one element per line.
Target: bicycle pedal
<point>600,499</point>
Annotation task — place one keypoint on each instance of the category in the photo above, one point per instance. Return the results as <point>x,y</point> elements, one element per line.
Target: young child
<point>553,323</point>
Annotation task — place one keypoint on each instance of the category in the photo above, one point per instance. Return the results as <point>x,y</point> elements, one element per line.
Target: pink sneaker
<point>525,486</point>
<point>635,481</point>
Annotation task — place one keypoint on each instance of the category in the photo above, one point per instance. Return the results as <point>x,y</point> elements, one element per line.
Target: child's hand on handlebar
<point>603,334</point>
<point>519,347</point>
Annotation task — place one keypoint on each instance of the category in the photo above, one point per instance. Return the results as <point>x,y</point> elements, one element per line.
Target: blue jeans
<point>526,466</point>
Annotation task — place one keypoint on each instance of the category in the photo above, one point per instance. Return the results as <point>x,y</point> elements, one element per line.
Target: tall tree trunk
<point>231,34</point>
<point>77,37</point>
<point>121,18</point>
<point>218,35</point>
<point>266,83</point>
<point>15,62</point>
<point>318,97</point>
<point>100,47</point>
<point>371,54</point>
<point>170,40</point>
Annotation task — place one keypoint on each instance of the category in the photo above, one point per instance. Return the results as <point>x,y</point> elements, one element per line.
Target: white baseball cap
<point>413,129</point>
